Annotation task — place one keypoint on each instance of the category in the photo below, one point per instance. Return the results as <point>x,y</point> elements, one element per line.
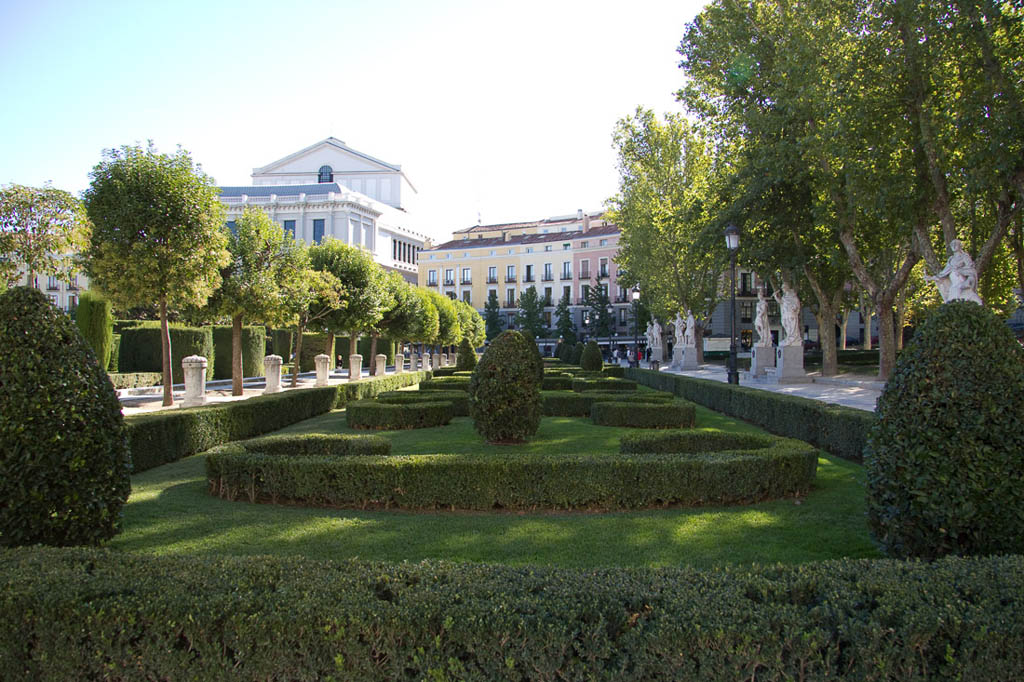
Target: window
<point>492,274</point>
<point>451,295</point>
<point>622,317</point>
<point>603,268</point>
<point>432,278</point>
<point>547,272</point>
<point>510,273</point>
<point>510,298</point>
<point>603,242</point>
<point>746,311</point>
<point>529,249</point>
<point>566,247</point>
<point>52,284</point>
<point>466,276</point>
<point>510,321</point>
<point>73,283</point>
<point>586,317</point>
<point>547,318</point>
<point>547,296</point>
<point>466,296</point>
<point>548,247</point>
<point>53,299</point>
<point>584,292</point>
<point>585,268</point>
<point>511,251</point>
<point>289,227</point>
<point>325,174</point>
<point>72,302</point>
<point>318,230</point>
<point>492,253</point>
<point>449,276</point>
<point>529,274</point>
<point>566,269</point>
<point>231,227</point>
<point>584,245</point>
<point>567,293</point>
<point>745,288</point>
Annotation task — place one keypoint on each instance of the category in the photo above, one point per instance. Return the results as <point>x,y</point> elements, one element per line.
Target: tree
<point>492,316</point>
<point>602,317</point>
<point>40,227</point>
<point>401,317</point>
<point>531,312</point>
<point>471,324</point>
<point>361,280</point>
<point>263,260</point>
<point>157,234</point>
<point>565,327</point>
<point>428,324</point>
<point>309,298</point>
<point>449,332</point>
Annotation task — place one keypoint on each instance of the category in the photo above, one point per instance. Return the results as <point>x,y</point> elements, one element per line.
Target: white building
<point>331,190</point>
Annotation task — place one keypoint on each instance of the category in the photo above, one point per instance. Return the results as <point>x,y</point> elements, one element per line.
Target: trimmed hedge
<point>333,444</point>
<point>139,350</point>
<point>614,371</point>
<point>312,346</point>
<point>254,346</point>
<point>115,349</point>
<point>570,404</point>
<point>136,379</point>
<point>279,342</point>
<point>449,383</point>
<point>95,614</point>
<point>556,383</point>
<point>371,414</point>
<point>841,431</point>
<point>692,441</point>
<point>674,415</point>
<point>523,481</point>
<point>458,399</point>
<point>160,437</point>
<point>609,384</point>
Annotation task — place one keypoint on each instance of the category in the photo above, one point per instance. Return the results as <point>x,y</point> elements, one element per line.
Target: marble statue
<point>789,304</point>
<point>689,338</point>
<point>649,334</point>
<point>764,335</point>
<point>958,281</point>
<point>680,326</point>
<point>656,334</point>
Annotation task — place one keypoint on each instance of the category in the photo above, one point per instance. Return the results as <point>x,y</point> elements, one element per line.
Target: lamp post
<point>732,242</point>
<point>611,328</point>
<point>636,324</point>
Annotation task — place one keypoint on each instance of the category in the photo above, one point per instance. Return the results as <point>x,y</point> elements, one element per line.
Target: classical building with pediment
<point>331,190</point>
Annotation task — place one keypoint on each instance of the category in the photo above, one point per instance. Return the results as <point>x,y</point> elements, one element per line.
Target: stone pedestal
<point>355,367</point>
<point>762,358</point>
<point>323,369</point>
<point>444,359</point>
<point>425,361</point>
<point>194,367</point>
<point>689,358</point>
<point>677,358</point>
<point>435,361</point>
<point>399,363</point>
<point>789,362</point>
<point>272,370</point>
<point>455,359</point>
<point>414,362</point>
<point>382,361</point>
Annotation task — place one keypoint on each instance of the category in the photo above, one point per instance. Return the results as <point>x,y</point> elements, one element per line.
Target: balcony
<point>431,282</point>
<point>603,274</point>
<point>584,274</point>
<point>622,299</point>
<point>465,280</point>
<point>510,279</point>
<point>548,277</point>
<point>492,279</point>
<point>449,282</point>
<point>566,276</point>
<point>529,278</point>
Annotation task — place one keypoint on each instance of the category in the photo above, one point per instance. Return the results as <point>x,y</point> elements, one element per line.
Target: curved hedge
<point>520,481</point>
<point>674,415</point>
<point>446,384</point>
<point>458,399</point>
<point>556,383</point>
<point>370,414</point>
<point>692,441</point>
<point>606,384</point>
<point>570,404</point>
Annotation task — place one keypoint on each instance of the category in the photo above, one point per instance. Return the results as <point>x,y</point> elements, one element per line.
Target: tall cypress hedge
<point>140,349</point>
<point>254,344</point>
<point>96,322</point>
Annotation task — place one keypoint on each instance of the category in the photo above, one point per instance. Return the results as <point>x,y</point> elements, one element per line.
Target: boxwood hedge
<point>448,383</point>
<point>136,379</point>
<point>335,444</point>
<point>675,415</point>
<point>570,404</point>
<point>458,399</point>
<point>371,414</point>
<point>692,441</point>
<point>603,384</point>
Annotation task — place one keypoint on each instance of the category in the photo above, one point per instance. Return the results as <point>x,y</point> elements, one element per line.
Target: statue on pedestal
<point>680,326</point>
<point>764,335</point>
<point>958,281</point>
<point>789,304</point>
<point>689,338</point>
<point>655,334</point>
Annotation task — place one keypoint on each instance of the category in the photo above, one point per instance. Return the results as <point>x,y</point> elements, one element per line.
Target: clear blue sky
<point>501,109</point>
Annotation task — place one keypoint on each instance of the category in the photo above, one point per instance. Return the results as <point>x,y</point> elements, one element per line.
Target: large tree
<point>157,234</point>
<point>531,312</point>
<point>471,324</point>
<point>309,299</point>
<point>449,332</point>
<point>492,315</point>
<point>40,229</point>
<point>264,258</point>
<point>428,323</point>
<point>401,315</point>
<point>602,316</point>
<point>564,325</point>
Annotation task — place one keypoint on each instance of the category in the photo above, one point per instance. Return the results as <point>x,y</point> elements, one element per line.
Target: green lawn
<point>170,512</point>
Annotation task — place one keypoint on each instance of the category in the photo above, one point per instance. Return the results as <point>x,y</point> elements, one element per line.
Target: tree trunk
<point>298,354</point>
<point>828,309</point>
<point>236,355</point>
<point>886,338</point>
<point>329,350</point>
<point>865,317</point>
<point>165,355</point>
<point>373,354</point>
<point>901,316</point>
<point>352,341</point>
<point>845,317</point>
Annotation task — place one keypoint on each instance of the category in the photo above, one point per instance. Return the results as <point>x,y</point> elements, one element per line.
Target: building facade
<point>331,190</point>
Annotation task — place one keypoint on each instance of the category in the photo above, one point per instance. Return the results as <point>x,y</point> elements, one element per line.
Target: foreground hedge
<point>674,415</point>
<point>842,431</point>
<point>160,437</point>
<point>371,414</point>
<point>520,481</point>
<point>333,444</point>
<point>99,614</point>
<point>692,441</point>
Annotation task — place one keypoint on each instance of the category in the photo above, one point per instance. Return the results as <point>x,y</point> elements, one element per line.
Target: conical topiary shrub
<point>577,354</point>
<point>467,356</point>
<point>505,392</point>
<point>591,359</point>
<point>945,460</point>
<point>96,323</point>
<point>63,450</point>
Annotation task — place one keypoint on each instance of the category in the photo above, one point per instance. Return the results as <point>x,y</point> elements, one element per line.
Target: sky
<point>496,111</point>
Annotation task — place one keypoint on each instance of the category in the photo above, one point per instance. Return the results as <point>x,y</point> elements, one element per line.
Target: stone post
<point>425,361</point>
<point>444,359</point>
<point>435,361</point>
<point>455,359</point>
<point>194,367</point>
<point>382,361</point>
<point>414,360</point>
<point>761,358</point>
<point>323,369</point>
<point>355,367</point>
<point>272,370</point>
<point>399,363</point>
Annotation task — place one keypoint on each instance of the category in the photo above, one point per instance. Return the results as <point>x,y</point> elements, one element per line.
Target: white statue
<point>789,304</point>
<point>649,334</point>
<point>656,334</point>
<point>764,335</point>
<point>958,281</point>
<point>689,339</point>
<point>680,326</point>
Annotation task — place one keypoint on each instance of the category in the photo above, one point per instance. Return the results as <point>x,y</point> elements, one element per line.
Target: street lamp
<point>636,324</point>
<point>611,328</point>
<point>732,242</point>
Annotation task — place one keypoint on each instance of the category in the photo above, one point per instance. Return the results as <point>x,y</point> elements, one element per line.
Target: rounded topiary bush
<point>64,458</point>
<point>945,460</point>
<point>505,390</point>
<point>591,359</point>
<point>577,354</point>
<point>467,356</point>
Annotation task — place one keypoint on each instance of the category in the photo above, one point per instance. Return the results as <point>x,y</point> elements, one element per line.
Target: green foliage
<point>505,390</point>
<point>403,318</point>
<point>39,227</point>
<point>531,312</point>
<point>139,349</point>
<point>314,345</point>
<point>447,383</point>
<point>943,460</point>
<point>674,415</point>
<point>617,371</point>
<point>135,379</point>
<point>64,461</point>
<point>281,342</point>
<point>160,437</point>
<point>458,399</point>
<point>324,619</point>
<point>603,384</point>
<point>692,441</point>
<point>254,344</point>
<point>538,359</point>
<point>492,316</point>
<point>448,330</point>
<point>327,444</point>
<point>564,326</point>
<point>577,354</point>
<point>371,414</point>
<point>96,323</point>
<point>471,325</point>
<point>560,383</point>
<point>115,352</point>
<point>571,404</point>
<point>842,431</point>
<point>591,359</point>
<point>467,356</point>
<point>361,281</point>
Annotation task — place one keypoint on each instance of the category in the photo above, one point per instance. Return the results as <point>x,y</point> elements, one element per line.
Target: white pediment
<point>330,152</point>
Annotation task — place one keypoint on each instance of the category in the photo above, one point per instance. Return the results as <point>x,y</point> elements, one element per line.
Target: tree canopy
<point>40,229</point>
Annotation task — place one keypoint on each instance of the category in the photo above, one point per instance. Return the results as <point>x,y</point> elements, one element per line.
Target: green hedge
<point>692,441</point>
<point>93,614</point>
<point>674,415</point>
<point>450,383</point>
<point>115,350</point>
<point>842,431</point>
<point>312,346</point>
<point>254,345</point>
<point>556,383</point>
<point>458,399</point>
<point>333,444</point>
<point>523,481</point>
<point>136,379</point>
<point>570,404</point>
<point>614,371</point>
<point>371,414</point>
<point>609,384</point>
<point>157,438</point>
<point>139,350</point>
<point>280,342</point>
<point>445,372</point>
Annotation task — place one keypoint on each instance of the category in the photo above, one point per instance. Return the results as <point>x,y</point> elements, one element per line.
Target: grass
<point>170,512</point>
